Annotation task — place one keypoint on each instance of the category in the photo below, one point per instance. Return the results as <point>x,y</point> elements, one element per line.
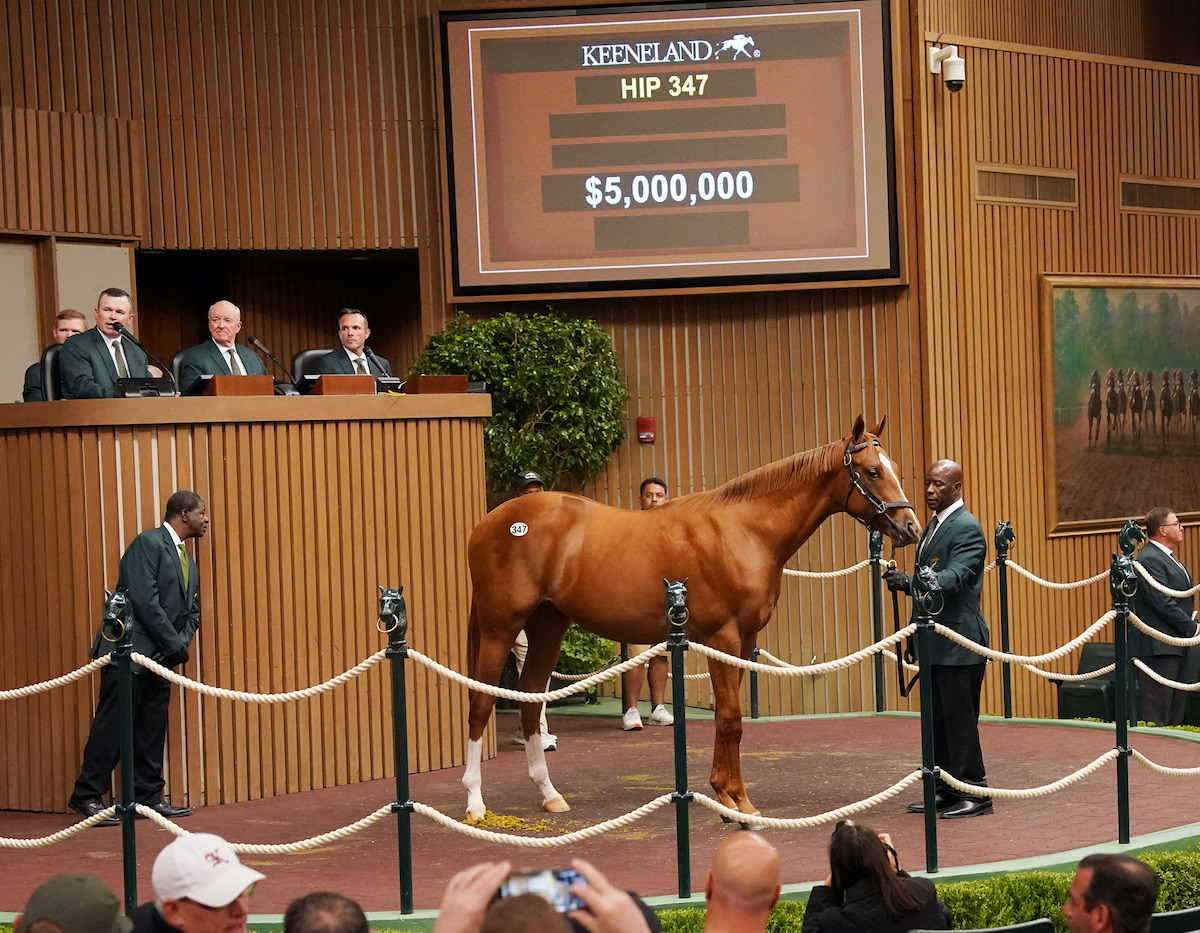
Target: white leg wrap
<point>535,758</point>
<point>473,779</point>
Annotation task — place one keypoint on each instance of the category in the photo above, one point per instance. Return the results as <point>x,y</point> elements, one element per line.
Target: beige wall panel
<point>306,524</point>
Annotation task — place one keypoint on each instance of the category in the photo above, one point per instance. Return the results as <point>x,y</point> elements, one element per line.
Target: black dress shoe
<point>968,806</point>
<point>91,808</point>
<point>941,801</point>
<point>164,809</point>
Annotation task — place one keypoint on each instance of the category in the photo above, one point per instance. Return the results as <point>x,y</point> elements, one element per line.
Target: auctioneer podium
<point>314,501</point>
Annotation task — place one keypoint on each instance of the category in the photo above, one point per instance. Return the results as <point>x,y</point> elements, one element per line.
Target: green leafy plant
<point>582,652</point>
<point>557,393</point>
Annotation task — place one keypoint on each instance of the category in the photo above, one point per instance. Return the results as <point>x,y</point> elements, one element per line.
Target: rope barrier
<point>547,695</point>
<point>802,670</point>
<point>550,842</point>
<point>828,574</point>
<point>264,698</point>
<point>1163,636</point>
<point>62,681</point>
<point>1166,682</point>
<point>1163,769</point>
<point>13,842</point>
<point>1025,659</point>
<point>1052,675</point>
<point>1030,793</point>
<point>1154,584</point>
<point>757,819</point>
<point>1050,583</point>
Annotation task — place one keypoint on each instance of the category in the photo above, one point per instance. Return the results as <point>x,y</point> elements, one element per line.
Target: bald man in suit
<point>1171,615</point>
<point>220,356</point>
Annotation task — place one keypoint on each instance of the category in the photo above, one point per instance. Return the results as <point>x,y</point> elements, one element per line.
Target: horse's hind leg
<point>545,631</point>
<point>487,654</point>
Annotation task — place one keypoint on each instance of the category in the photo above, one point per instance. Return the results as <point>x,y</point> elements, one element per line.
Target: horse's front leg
<point>726,778</point>
<point>544,639</point>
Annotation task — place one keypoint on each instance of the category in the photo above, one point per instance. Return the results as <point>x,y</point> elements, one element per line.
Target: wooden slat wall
<point>307,517</point>
<point>71,173</point>
<point>983,320</point>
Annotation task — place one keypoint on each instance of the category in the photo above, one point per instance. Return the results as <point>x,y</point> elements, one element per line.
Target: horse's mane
<point>782,474</point>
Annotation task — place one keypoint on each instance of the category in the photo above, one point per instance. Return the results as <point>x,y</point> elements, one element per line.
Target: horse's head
<point>880,504</point>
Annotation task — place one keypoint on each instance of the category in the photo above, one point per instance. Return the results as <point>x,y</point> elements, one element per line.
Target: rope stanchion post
<point>875,549</point>
<point>677,643</point>
<point>1004,537</point>
<point>116,628</point>
<point>754,685</point>
<point>927,602</point>
<point>1122,584</point>
<point>393,621</point>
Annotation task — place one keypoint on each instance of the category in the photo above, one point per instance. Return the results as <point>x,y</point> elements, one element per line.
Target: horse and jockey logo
<point>739,45</point>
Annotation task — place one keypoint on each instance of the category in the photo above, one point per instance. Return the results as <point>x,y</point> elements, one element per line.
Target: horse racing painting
<point>1126,398</point>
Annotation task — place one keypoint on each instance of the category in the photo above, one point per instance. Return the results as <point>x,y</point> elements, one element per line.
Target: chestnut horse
<point>539,562</point>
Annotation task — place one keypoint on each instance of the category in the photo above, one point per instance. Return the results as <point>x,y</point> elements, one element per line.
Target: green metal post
<point>754,686</point>
<point>677,616</point>
<point>1004,537</point>
<point>923,603</point>
<point>393,620</point>
<point>1122,584</point>
<point>126,808</point>
<point>875,549</point>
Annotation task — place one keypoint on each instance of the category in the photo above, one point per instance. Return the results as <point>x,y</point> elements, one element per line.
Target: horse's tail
<point>473,643</point>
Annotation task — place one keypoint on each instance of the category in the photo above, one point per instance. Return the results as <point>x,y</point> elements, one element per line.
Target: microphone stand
<point>371,356</point>
<point>258,345</point>
<point>126,335</point>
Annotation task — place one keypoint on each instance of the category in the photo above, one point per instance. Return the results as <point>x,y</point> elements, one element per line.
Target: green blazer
<point>165,613</point>
<point>32,390</point>
<point>958,553</point>
<point>1169,614</point>
<point>87,369</point>
<point>207,359</point>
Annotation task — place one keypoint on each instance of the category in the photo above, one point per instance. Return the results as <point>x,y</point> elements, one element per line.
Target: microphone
<point>126,335</point>
<point>258,345</point>
<point>370,354</point>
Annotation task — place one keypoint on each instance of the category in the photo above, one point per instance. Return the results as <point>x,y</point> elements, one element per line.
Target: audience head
<point>526,913</point>
<point>1111,893</point>
<point>114,306</point>
<point>67,323</point>
<point>527,482</point>
<point>73,904</point>
<point>857,853</point>
<point>224,322</point>
<point>653,492</point>
<point>187,514</point>
<point>743,884</point>
<point>1163,525</point>
<point>201,886</point>
<point>323,912</point>
<point>353,330</point>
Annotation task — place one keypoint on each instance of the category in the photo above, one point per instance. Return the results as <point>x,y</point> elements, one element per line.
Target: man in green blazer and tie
<point>1171,615</point>
<point>220,356</point>
<point>954,547</point>
<point>163,583</point>
<point>90,363</point>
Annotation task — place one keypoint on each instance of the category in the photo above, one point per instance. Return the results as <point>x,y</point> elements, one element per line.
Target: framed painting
<point>1122,399</point>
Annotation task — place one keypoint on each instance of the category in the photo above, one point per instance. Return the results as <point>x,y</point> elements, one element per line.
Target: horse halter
<point>856,482</point>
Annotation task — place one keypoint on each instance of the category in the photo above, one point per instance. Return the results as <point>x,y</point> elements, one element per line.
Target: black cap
<point>527,478</point>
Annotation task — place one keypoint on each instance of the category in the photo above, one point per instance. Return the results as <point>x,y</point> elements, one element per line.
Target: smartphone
<point>554,884</point>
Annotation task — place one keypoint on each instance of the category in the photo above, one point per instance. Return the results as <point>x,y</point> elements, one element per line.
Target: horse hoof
<point>473,815</point>
<point>557,805</point>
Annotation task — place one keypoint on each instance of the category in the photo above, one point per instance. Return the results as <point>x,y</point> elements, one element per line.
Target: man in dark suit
<point>954,546</point>
<point>67,323</point>
<point>163,583</point>
<point>353,331</point>
<point>1171,615</point>
<point>91,363</point>
<point>221,356</point>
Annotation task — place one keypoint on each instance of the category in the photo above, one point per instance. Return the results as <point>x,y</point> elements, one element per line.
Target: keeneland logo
<point>664,53</point>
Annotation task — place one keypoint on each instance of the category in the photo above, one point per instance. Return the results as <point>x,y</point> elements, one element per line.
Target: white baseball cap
<point>203,868</point>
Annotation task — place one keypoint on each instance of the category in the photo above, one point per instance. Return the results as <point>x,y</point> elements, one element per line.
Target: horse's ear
<point>857,432</point>
<point>879,427</point>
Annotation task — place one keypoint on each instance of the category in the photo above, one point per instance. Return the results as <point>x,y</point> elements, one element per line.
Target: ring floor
<point>794,767</point>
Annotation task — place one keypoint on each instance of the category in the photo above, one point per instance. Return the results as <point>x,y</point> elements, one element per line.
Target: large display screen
<point>605,147</point>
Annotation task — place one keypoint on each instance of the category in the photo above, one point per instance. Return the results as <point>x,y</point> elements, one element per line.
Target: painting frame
<point>1065,516</point>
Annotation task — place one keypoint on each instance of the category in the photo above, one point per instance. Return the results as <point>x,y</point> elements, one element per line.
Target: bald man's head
<point>745,873</point>
<point>943,484</point>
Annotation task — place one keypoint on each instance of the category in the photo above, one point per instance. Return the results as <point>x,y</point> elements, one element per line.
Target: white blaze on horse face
<point>890,469</point>
<point>518,529</point>
<point>473,779</point>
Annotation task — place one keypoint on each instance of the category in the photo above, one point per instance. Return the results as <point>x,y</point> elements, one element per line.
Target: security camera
<point>947,63</point>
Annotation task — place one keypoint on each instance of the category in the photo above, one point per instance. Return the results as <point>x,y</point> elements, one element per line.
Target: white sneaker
<point>660,717</point>
<point>631,721</point>
<point>549,741</point>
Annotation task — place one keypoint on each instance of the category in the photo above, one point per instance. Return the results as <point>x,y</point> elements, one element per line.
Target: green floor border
<point>1180,837</point>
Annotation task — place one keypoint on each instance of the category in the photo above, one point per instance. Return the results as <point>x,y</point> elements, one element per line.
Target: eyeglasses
<point>245,894</point>
<point>1169,524</point>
